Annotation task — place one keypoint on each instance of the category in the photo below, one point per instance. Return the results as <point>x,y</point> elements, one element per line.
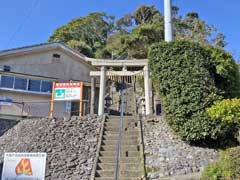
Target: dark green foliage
<point>184,74</point>
<point>145,14</point>
<point>104,53</point>
<point>131,35</point>
<point>227,168</point>
<point>82,47</point>
<point>226,73</point>
<point>93,30</point>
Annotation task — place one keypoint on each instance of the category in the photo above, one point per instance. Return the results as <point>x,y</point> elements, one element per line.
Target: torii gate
<point>103,73</point>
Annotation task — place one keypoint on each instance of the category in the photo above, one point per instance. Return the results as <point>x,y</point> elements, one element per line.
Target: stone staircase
<point>131,164</point>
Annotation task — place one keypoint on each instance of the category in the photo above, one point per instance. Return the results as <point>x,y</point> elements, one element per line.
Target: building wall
<point>43,64</point>
<point>32,104</point>
<point>65,68</point>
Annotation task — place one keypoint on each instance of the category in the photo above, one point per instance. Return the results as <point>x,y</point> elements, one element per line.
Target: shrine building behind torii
<point>124,73</point>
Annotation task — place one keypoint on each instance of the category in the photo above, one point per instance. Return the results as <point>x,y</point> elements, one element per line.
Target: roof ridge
<point>30,46</point>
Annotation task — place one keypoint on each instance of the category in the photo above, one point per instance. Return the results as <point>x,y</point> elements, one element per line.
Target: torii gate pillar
<point>102,91</point>
<point>147,90</point>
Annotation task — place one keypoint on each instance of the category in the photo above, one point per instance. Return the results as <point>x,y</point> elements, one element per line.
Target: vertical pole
<point>147,90</point>
<point>102,91</point>
<point>168,20</point>
<point>92,95</point>
<point>52,101</point>
<point>81,100</point>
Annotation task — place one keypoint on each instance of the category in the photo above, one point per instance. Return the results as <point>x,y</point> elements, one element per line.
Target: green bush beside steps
<point>189,78</point>
<point>227,168</point>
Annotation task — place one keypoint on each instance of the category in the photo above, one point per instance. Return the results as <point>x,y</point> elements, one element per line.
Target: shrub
<point>227,168</point>
<point>184,75</point>
<point>227,111</point>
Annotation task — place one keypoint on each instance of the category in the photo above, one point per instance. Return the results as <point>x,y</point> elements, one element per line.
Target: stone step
<point>132,119</point>
<point>123,153</point>
<point>125,124</point>
<point>125,118</point>
<point>134,160</point>
<point>126,133</point>
<point>123,174</point>
<point>111,159</point>
<point>114,129</point>
<point>109,178</point>
<point>115,137</point>
<point>123,142</point>
<point>123,148</point>
<point>123,167</point>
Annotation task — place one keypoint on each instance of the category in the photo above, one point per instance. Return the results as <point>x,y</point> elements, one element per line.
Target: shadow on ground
<point>5,125</point>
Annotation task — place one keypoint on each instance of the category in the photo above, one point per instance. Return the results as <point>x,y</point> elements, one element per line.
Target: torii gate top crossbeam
<point>119,63</point>
<point>118,73</point>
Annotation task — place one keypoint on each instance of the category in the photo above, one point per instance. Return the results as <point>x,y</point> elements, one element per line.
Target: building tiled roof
<point>30,47</point>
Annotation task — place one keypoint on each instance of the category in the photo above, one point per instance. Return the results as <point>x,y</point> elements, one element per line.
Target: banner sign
<point>5,101</point>
<point>67,91</point>
<point>24,166</point>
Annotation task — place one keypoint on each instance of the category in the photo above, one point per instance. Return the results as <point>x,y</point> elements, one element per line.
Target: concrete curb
<point>92,177</point>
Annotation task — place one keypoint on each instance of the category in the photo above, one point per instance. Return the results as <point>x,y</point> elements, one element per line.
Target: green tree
<point>225,72</point>
<point>145,14</point>
<point>192,28</point>
<point>82,47</point>
<point>133,34</point>
<point>92,30</point>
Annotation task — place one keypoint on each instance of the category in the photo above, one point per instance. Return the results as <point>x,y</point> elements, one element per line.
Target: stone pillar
<point>102,91</point>
<point>92,95</point>
<point>147,90</point>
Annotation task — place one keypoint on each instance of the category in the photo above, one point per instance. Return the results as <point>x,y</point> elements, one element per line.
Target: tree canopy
<point>100,35</point>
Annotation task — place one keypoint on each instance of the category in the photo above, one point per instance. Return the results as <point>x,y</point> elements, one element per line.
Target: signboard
<point>5,101</point>
<point>67,91</point>
<point>24,166</point>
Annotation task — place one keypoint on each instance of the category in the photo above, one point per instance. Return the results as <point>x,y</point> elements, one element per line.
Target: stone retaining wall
<point>70,144</point>
<point>168,156</point>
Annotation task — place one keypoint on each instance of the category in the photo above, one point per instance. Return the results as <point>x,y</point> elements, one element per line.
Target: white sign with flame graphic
<point>25,166</point>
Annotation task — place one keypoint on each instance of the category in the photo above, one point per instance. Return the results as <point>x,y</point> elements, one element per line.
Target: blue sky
<point>19,29</point>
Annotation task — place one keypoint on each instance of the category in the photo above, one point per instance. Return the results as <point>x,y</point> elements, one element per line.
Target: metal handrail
<point>117,157</point>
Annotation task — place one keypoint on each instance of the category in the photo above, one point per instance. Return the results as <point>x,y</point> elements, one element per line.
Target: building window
<point>6,68</point>
<point>7,81</point>
<point>46,86</point>
<point>34,85</point>
<point>56,58</point>
<point>20,83</point>
<point>25,84</point>
<point>56,55</point>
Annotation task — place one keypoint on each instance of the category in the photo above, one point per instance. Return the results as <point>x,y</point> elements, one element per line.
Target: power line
<point>21,25</point>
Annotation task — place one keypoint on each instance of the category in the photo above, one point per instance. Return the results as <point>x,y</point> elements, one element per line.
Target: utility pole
<point>168,20</point>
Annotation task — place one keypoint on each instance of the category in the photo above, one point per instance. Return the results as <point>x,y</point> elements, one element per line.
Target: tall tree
<point>97,35</point>
<point>93,30</point>
<point>145,14</point>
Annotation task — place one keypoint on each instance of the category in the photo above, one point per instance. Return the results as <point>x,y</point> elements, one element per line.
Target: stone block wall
<point>70,145</point>
<point>168,156</point>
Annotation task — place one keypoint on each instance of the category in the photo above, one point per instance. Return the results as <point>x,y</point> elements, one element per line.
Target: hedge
<point>185,76</point>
